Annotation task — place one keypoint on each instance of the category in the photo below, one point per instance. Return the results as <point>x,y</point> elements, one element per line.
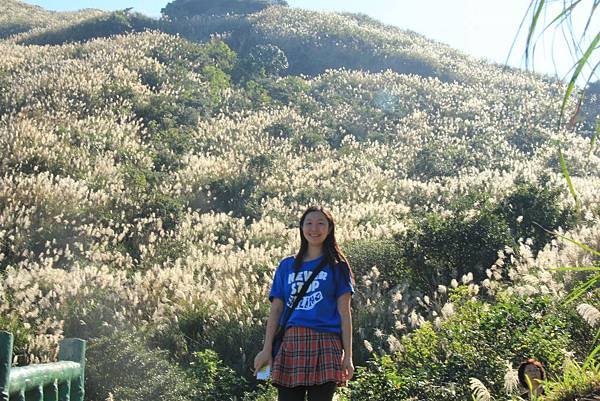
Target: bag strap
<point>303,291</point>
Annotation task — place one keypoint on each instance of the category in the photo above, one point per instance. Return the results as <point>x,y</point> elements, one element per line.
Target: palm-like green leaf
<point>538,7</point>
<point>579,67</point>
<point>582,289</point>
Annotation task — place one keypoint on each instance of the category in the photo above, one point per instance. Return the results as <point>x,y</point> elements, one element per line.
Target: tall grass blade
<point>580,64</point>
<point>564,14</point>
<point>571,240</point>
<point>589,20</point>
<point>579,244</point>
<point>581,289</point>
<point>576,269</point>
<point>565,171</point>
<point>590,358</point>
<point>512,45</point>
<point>534,22</point>
<point>596,337</point>
<point>573,120</point>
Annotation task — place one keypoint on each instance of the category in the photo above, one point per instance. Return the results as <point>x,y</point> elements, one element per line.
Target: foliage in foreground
<point>481,340</point>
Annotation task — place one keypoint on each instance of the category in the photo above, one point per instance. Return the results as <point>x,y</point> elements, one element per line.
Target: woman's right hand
<point>262,358</point>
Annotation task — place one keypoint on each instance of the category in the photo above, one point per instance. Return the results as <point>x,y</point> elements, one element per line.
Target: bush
<point>123,366</point>
<point>287,90</point>
<point>438,250</point>
<point>430,162</point>
<point>236,343</point>
<point>169,146</point>
<point>535,212</point>
<point>263,392</point>
<point>378,381</point>
<point>21,335</point>
<point>437,363</point>
<point>163,112</point>
<point>217,382</point>
<point>577,383</point>
<point>13,28</point>
<point>385,254</point>
<point>261,61</point>
<point>184,63</point>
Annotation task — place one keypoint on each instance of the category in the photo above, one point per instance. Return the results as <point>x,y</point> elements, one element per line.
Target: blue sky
<point>481,28</point>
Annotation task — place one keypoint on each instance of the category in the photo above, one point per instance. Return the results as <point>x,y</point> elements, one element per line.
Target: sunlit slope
<point>312,41</point>
<point>316,41</point>
<point>143,109</point>
<point>20,18</point>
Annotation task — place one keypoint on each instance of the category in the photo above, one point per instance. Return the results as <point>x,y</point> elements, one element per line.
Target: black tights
<point>321,392</point>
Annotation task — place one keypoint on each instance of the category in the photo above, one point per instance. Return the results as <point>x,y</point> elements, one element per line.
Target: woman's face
<point>315,228</point>
<point>534,374</point>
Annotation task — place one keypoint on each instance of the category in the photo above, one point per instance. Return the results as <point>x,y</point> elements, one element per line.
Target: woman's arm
<point>343,304</point>
<point>272,322</point>
<point>264,357</point>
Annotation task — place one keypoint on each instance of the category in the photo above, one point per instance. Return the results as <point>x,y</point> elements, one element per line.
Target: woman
<point>316,353</point>
<point>531,373</point>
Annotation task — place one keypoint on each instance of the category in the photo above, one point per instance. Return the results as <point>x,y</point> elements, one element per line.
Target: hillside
<point>20,18</point>
<point>150,182</point>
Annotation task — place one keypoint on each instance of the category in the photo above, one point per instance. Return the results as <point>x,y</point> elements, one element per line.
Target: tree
<point>261,61</point>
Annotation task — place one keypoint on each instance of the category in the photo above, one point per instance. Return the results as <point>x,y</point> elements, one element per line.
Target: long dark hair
<point>524,364</point>
<point>333,254</point>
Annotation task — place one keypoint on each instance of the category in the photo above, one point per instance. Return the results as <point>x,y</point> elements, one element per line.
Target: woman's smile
<point>315,227</point>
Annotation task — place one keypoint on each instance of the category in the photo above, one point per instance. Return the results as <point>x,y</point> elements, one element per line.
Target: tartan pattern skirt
<point>307,358</point>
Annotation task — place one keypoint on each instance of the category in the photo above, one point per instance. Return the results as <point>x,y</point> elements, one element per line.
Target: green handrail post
<point>64,391</point>
<point>73,349</point>
<point>51,392</point>
<point>46,381</point>
<point>6,345</point>
<point>37,394</point>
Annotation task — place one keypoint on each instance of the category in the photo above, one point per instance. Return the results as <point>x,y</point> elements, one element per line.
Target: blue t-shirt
<point>318,308</point>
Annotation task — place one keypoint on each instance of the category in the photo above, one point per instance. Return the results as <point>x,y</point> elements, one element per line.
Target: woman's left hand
<point>347,368</point>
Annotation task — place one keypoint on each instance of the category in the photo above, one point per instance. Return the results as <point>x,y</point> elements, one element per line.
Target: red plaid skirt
<point>308,357</point>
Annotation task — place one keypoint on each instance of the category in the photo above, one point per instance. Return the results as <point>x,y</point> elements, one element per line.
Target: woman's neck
<point>313,252</point>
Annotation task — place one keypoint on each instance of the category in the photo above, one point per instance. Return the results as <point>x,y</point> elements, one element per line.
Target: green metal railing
<point>58,381</point>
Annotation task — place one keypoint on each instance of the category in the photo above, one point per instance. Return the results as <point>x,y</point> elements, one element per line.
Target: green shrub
<point>212,62</point>
<point>257,94</point>
<point>262,392</point>
<point>121,364</point>
<point>12,28</point>
<point>169,145</point>
<point>236,343</point>
<point>437,363</point>
<point>91,315</point>
<point>430,162</point>
<point>261,61</point>
<point>438,250</point>
<point>163,112</point>
<point>21,335</point>
<point>578,382</point>
<point>385,254</point>
<point>216,382</point>
<point>378,381</point>
<point>287,90</point>
<point>534,211</point>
